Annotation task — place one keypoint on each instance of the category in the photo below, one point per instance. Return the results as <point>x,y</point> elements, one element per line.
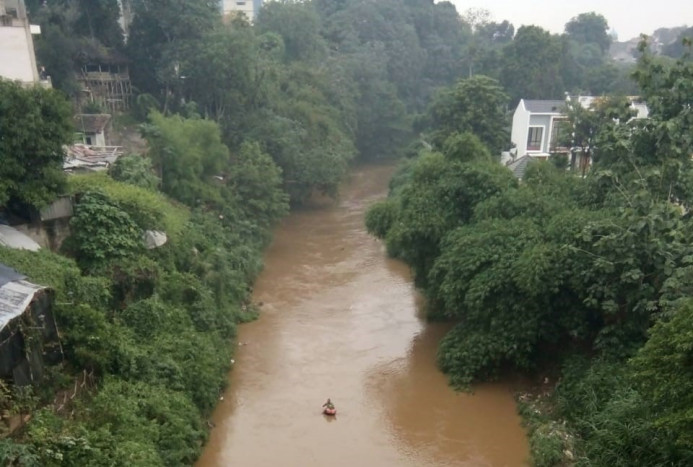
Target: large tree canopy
<point>476,105</point>
<point>35,123</point>
<point>531,65</point>
<point>589,28</point>
<point>564,270</point>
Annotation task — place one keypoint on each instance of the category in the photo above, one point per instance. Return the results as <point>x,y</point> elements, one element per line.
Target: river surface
<point>341,320</point>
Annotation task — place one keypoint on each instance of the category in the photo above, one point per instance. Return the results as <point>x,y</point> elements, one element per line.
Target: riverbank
<point>154,329</point>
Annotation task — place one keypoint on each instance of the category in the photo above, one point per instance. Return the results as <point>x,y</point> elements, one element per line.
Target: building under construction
<point>105,81</point>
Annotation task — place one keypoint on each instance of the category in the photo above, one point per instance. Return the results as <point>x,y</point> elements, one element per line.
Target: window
<point>534,138</point>
<point>560,135</point>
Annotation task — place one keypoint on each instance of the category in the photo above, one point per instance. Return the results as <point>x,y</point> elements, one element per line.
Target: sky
<point>627,17</point>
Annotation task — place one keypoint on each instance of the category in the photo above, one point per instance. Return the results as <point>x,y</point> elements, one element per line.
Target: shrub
<point>148,209</point>
<point>135,170</point>
<point>101,231</point>
<point>380,217</point>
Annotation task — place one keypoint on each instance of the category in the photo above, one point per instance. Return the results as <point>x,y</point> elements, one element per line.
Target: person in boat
<point>328,405</point>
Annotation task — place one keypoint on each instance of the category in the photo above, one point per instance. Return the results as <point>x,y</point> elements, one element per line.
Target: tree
<point>102,231</point>
<point>35,123</point>
<point>664,378</point>
<point>257,182</point>
<point>299,26</point>
<point>58,45</point>
<point>100,19</point>
<point>487,39</point>
<point>532,65</point>
<point>654,153</point>
<point>159,31</point>
<point>135,170</point>
<point>585,124</point>
<point>476,105</point>
<point>73,30</point>
<point>440,194</point>
<point>586,65</point>
<point>224,73</point>
<point>444,37</point>
<point>188,154</point>
<point>589,28</point>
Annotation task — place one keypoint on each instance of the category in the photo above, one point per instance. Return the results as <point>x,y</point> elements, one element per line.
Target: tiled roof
<point>92,123</point>
<point>519,167</point>
<point>543,107</point>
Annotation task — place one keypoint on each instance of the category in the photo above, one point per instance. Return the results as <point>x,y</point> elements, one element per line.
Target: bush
<point>101,231</point>
<point>380,217</point>
<point>148,209</point>
<point>135,170</point>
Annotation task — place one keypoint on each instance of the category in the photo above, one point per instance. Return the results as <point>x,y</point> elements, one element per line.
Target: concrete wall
<point>17,60</point>
<point>49,234</point>
<point>96,139</point>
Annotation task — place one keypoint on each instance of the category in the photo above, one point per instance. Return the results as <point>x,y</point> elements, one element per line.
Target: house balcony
<point>555,149</point>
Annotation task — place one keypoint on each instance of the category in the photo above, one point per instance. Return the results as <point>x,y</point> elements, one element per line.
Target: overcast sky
<point>628,17</point>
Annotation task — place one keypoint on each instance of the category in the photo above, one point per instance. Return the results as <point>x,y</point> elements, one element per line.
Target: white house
<point>93,128</point>
<point>540,127</point>
<point>536,127</point>
<point>17,59</point>
<point>249,8</point>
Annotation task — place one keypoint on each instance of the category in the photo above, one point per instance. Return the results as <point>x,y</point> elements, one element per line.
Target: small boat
<point>329,411</point>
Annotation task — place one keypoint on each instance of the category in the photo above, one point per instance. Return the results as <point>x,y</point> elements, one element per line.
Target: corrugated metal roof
<point>544,107</point>
<point>15,297</point>
<point>7,274</point>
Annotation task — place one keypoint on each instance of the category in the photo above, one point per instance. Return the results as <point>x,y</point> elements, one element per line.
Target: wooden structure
<point>107,84</point>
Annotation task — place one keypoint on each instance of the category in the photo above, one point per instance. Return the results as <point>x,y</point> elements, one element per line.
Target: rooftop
<point>13,238</point>
<point>15,294</point>
<point>544,106</point>
<point>92,123</point>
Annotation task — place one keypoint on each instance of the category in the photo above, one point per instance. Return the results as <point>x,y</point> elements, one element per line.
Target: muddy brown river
<point>341,320</point>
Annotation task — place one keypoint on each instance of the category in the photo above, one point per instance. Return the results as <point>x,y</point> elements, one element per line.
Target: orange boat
<point>329,411</point>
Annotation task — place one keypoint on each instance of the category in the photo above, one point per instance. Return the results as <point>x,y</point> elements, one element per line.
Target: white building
<point>535,127</point>
<point>93,128</point>
<point>249,8</point>
<point>17,59</point>
<point>540,126</point>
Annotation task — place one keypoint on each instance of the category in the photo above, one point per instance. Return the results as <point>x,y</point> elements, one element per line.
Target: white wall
<point>17,60</point>
<point>518,133</point>
<point>99,139</point>
<point>230,7</point>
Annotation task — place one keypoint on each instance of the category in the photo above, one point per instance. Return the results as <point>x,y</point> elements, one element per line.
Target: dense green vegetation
<point>587,274</point>
<point>153,328</point>
<point>242,120</point>
<point>34,124</point>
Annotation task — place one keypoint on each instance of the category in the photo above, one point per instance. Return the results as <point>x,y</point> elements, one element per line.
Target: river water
<point>341,320</point>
